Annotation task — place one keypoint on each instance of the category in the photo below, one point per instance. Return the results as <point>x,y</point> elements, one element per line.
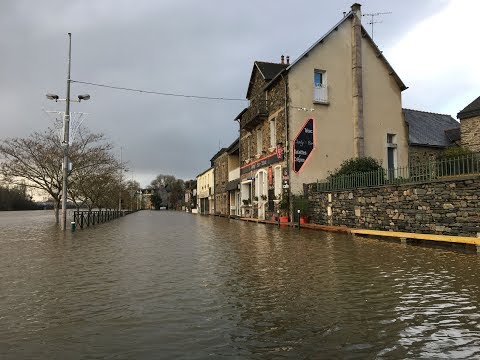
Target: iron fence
<point>433,170</point>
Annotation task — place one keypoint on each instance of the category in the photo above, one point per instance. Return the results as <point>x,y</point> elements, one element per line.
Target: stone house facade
<point>470,125</point>
<point>340,99</point>
<point>220,165</point>
<point>429,134</point>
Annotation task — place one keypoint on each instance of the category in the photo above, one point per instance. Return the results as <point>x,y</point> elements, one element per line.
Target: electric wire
<point>158,92</point>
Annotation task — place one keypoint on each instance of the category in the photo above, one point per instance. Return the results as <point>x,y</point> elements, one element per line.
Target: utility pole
<point>66,134</point>
<point>121,178</point>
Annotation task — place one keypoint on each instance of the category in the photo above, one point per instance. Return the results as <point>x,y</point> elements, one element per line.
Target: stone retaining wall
<point>449,207</point>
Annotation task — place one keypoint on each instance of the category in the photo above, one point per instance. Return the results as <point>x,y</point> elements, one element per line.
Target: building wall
<point>470,133</point>
<point>205,189</point>
<point>382,109</point>
<point>334,128</point>
<point>422,154</point>
<point>441,207</point>
<point>221,180</point>
<point>276,110</point>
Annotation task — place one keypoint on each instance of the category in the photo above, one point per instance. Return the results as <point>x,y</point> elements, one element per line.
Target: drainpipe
<point>287,141</point>
<point>357,83</point>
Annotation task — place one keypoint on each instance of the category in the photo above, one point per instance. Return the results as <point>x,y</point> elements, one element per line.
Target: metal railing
<point>320,93</point>
<point>257,110</point>
<point>433,170</point>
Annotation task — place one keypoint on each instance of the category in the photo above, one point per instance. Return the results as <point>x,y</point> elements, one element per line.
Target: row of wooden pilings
<point>83,218</point>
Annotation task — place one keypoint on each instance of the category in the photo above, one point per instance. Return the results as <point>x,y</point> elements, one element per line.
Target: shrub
<point>357,165</point>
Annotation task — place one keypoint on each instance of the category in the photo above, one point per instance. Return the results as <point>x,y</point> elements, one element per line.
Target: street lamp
<point>66,131</point>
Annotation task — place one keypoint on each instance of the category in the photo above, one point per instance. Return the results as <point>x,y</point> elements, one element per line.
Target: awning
<point>233,185</point>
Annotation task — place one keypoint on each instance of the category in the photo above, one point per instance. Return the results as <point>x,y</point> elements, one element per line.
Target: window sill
<point>318,102</point>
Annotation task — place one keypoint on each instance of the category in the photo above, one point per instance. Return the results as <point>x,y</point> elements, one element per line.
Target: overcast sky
<point>206,48</point>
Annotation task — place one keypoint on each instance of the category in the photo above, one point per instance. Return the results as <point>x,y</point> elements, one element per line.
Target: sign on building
<point>303,145</point>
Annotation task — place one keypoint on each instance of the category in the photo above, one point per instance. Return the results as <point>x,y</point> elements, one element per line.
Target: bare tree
<point>38,159</point>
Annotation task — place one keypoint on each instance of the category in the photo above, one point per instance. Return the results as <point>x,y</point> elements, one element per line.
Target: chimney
<point>282,61</point>
<point>288,60</point>
<point>356,10</point>
<point>357,85</point>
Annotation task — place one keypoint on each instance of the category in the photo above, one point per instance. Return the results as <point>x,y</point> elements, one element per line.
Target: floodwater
<point>170,285</point>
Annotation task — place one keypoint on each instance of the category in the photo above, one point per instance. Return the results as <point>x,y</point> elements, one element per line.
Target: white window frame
<point>261,183</point>
<point>320,91</point>
<point>277,178</point>
<point>273,132</point>
<point>259,141</point>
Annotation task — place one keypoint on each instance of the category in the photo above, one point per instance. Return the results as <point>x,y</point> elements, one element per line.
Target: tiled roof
<point>220,152</point>
<point>471,110</point>
<point>269,70</point>
<point>430,129</point>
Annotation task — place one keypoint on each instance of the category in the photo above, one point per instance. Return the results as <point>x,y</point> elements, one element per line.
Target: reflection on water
<point>173,285</point>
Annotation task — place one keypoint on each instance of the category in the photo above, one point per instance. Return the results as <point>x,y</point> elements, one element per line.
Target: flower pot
<point>303,220</point>
<point>284,219</point>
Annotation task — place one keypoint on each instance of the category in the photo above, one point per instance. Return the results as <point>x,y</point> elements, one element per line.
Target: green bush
<point>454,152</point>
<point>357,165</point>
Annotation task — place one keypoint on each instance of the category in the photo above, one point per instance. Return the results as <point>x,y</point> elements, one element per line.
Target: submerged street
<point>160,284</point>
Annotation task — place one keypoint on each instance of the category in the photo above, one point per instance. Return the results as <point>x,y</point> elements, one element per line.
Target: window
<point>320,86</point>
<point>259,141</point>
<point>261,183</point>
<point>278,181</point>
<point>391,155</point>
<point>273,132</point>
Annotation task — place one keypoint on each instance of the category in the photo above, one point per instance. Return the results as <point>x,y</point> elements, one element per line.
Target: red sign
<point>270,176</point>
<point>279,152</point>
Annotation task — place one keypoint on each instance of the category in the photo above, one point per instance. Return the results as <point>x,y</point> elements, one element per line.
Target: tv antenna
<point>372,20</point>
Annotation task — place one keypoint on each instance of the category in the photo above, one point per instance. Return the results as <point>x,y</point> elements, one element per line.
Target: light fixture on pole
<point>66,131</point>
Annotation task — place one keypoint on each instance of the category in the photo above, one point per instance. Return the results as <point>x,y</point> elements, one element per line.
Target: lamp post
<point>66,131</point>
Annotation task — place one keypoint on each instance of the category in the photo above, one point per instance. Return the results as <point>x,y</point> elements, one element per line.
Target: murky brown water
<point>164,285</point>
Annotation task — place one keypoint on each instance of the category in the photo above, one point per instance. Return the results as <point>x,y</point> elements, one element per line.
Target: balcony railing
<point>320,93</point>
<point>257,112</point>
<point>234,174</point>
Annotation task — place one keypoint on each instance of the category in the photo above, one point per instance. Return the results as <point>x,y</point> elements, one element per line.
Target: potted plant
<point>276,199</point>
<point>246,202</point>
<point>300,202</point>
<point>255,199</point>
<point>283,207</point>
<point>264,197</point>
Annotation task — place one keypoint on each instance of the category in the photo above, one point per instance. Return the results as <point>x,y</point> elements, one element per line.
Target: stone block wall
<point>449,207</point>
<point>470,133</point>
<point>221,180</point>
<point>422,154</point>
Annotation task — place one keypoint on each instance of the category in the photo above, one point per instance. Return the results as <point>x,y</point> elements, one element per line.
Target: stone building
<point>340,99</point>
<point>220,173</point>
<point>429,134</point>
<point>470,125</point>
<point>205,192</point>
<point>233,185</point>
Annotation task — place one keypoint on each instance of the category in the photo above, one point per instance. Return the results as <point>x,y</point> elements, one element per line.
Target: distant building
<point>205,192</point>
<point>429,134</point>
<point>470,125</point>
<point>227,175</point>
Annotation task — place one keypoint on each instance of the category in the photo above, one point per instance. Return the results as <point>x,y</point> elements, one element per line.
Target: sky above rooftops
<point>207,49</point>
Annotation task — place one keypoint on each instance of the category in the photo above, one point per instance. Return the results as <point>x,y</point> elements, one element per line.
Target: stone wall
<point>422,155</point>
<point>470,133</point>
<point>449,207</point>
<point>221,180</point>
